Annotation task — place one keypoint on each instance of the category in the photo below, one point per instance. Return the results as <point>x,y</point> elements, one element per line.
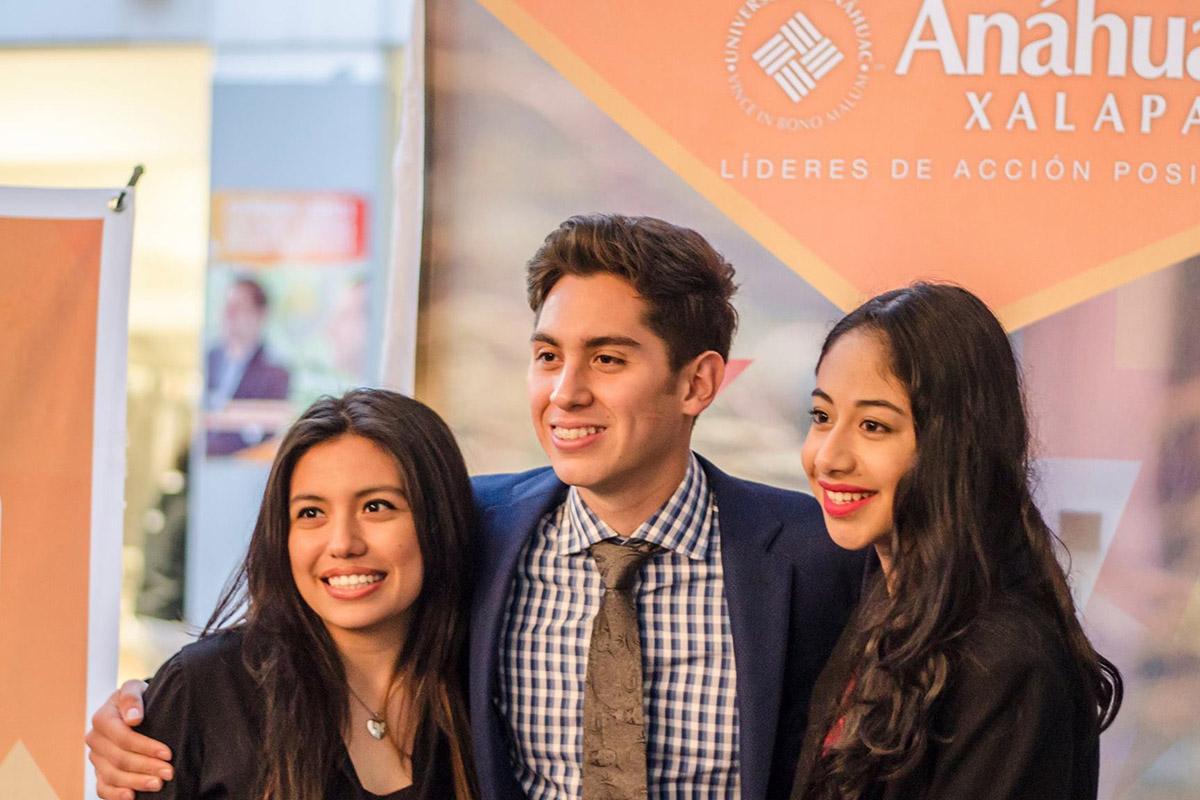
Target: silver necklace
<point>376,725</point>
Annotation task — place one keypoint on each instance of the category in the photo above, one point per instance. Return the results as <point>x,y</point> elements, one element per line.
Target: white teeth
<point>574,433</point>
<point>846,497</point>
<point>353,581</point>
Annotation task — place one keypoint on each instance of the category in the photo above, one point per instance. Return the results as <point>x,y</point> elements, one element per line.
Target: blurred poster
<point>287,312</point>
<point>1042,154</point>
<point>64,285</point>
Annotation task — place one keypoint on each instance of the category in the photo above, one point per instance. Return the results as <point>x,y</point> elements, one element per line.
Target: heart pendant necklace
<point>376,725</point>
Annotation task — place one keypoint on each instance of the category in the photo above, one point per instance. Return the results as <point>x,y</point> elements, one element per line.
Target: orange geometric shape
<point>1039,154</point>
<point>21,777</point>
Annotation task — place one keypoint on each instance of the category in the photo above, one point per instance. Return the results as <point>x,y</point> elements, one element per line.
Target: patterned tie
<point>614,730</point>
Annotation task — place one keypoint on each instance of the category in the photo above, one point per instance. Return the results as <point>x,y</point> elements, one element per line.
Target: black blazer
<point>1013,725</point>
<point>789,589</point>
<point>206,706</point>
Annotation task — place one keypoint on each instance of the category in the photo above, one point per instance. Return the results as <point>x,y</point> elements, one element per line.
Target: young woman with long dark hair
<point>332,667</point>
<point>965,673</point>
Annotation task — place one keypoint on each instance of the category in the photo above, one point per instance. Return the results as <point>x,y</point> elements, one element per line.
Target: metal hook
<point>118,203</point>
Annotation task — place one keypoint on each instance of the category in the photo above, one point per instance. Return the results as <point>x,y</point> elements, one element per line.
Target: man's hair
<point>686,284</point>
<point>258,295</point>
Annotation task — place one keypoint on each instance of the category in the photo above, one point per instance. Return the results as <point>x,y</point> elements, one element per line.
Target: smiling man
<point>740,594</point>
<point>644,625</point>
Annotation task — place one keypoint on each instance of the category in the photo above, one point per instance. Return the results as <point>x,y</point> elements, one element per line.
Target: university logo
<point>798,56</point>
<point>798,70</point>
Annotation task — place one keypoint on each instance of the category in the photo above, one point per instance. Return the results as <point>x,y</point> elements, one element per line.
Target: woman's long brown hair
<point>965,529</point>
<point>286,645</point>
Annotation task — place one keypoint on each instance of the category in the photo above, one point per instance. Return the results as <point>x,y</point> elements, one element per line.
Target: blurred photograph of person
<point>965,671</point>
<point>331,669</point>
<point>239,368</point>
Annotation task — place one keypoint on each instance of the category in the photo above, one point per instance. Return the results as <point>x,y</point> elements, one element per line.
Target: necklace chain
<point>376,725</point>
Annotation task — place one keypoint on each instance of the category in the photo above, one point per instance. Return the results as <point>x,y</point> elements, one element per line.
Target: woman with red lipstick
<point>965,672</point>
<point>332,666</point>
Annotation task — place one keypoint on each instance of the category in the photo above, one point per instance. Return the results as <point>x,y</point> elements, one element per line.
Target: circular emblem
<point>798,65</point>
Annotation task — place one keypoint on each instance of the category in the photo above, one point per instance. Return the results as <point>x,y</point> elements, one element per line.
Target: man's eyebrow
<point>611,341</point>
<point>864,403</point>
<point>590,344</point>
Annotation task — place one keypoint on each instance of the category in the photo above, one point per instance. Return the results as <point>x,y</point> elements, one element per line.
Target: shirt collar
<point>681,524</point>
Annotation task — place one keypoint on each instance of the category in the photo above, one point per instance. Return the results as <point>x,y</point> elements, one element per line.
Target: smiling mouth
<point>843,498</point>
<point>571,434</point>
<point>353,581</point>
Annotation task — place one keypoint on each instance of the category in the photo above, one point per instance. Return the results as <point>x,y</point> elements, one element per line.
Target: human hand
<point>126,761</point>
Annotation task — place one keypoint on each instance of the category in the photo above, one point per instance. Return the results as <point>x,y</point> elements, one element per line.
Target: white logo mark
<point>798,56</point>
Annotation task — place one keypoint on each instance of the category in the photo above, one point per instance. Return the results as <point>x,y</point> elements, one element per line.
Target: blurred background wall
<point>217,100</point>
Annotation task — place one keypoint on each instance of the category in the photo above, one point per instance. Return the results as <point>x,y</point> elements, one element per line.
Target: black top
<point>206,707</point>
<point>1013,723</point>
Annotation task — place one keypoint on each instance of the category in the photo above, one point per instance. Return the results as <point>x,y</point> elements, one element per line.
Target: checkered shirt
<point>687,650</point>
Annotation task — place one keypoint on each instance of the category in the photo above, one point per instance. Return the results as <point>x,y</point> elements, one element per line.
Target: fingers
<point>124,759</point>
<point>106,792</point>
<point>114,739</point>
<point>114,784</point>
<point>129,701</point>
<point>133,755</point>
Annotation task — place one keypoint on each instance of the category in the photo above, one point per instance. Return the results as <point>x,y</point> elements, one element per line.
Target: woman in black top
<point>965,673</point>
<point>342,677</point>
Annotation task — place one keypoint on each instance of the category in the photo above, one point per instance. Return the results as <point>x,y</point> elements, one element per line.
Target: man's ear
<point>703,376</point>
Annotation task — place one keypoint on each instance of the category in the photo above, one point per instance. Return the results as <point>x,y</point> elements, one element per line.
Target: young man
<point>706,646</point>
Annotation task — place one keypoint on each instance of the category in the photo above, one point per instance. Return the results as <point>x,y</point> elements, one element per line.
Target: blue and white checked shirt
<point>687,650</point>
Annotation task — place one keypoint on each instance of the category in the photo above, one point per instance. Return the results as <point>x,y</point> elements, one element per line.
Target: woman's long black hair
<point>965,526</point>
<point>286,646</point>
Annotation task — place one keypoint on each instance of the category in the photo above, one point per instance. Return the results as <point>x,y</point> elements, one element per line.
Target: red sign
<point>292,227</point>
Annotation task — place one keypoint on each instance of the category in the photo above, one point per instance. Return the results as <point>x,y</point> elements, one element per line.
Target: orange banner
<point>49,292</point>
<point>1039,152</point>
<point>64,278</point>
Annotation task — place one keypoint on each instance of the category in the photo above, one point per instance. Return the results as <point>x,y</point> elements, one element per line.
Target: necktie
<point>614,729</point>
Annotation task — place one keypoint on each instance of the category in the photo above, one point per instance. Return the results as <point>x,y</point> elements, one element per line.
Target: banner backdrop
<point>1073,127</point>
<point>1043,153</point>
<point>64,286</point>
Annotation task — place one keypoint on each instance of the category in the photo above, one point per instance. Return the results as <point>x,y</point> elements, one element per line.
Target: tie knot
<point>619,562</point>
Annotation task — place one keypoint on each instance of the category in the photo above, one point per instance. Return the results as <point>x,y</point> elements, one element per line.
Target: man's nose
<point>571,388</point>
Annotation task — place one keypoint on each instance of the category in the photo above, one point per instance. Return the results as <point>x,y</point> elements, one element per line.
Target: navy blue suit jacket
<point>789,591</point>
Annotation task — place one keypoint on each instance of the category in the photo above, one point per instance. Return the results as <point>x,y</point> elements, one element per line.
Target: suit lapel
<point>757,589</point>
<point>505,528</point>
